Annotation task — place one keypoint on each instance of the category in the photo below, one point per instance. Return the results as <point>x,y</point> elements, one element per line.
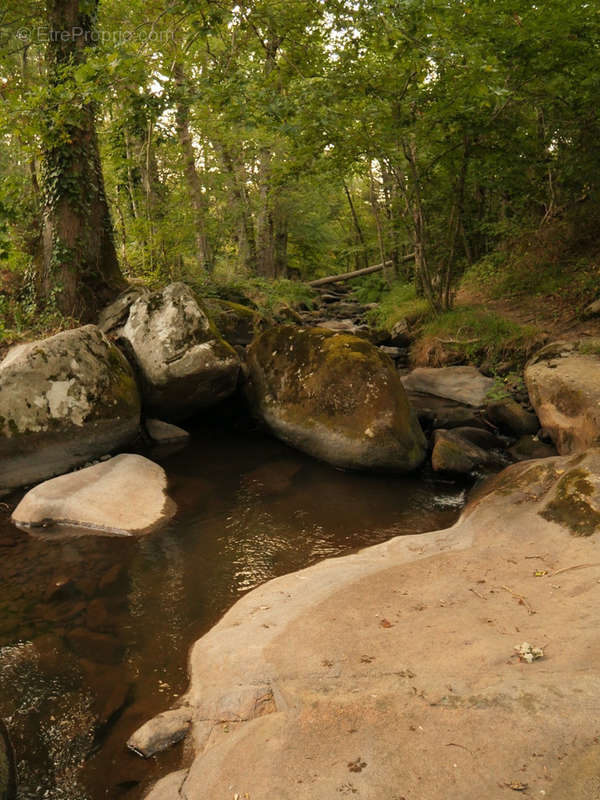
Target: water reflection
<point>94,631</point>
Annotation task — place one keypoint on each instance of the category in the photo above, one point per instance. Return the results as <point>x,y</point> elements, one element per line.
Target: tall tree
<point>79,267</point>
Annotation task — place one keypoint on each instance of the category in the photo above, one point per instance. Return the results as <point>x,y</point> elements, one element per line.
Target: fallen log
<point>346,276</point>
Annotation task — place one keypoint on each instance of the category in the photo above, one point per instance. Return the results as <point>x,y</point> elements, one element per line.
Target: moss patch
<point>572,505</point>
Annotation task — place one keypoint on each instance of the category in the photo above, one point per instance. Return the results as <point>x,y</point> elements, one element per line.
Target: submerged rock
<point>63,401</point>
<point>124,495</point>
<point>164,433</point>
<point>564,388</point>
<point>464,385</point>
<point>184,364</point>
<point>335,397</point>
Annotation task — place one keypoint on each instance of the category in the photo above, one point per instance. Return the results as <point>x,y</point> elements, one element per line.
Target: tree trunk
<point>271,222</point>
<point>79,268</point>
<point>377,215</point>
<point>241,206</point>
<point>197,197</point>
<point>357,226</point>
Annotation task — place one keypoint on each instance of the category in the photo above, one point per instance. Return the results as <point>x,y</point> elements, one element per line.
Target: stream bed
<point>95,630</point>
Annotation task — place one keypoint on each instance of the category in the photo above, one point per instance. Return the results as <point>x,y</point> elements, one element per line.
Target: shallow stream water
<point>95,630</point>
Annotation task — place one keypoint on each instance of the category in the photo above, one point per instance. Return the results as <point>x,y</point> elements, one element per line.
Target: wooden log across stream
<point>346,276</point>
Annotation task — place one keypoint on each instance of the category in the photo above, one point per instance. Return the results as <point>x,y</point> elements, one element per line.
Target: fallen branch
<point>520,598</point>
<point>575,566</point>
<point>456,341</point>
<point>346,276</point>
<point>478,594</point>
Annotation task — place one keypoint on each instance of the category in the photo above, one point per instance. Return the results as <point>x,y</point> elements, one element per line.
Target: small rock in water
<point>164,433</point>
<point>161,732</point>
<point>122,496</point>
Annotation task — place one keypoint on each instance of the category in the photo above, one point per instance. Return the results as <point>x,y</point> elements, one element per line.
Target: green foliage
<point>506,386</point>
<point>560,261</point>
<point>323,137</point>
<point>590,347</point>
<point>369,289</point>
<point>21,317</point>
<point>399,302</point>
<point>267,296</point>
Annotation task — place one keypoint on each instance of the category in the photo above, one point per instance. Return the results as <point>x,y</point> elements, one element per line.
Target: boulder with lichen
<point>335,397</point>
<point>184,364</point>
<point>63,401</point>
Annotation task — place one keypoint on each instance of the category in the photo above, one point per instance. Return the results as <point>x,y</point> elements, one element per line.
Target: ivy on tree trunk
<point>79,270</point>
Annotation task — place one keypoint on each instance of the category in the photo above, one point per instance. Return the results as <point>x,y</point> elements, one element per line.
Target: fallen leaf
<point>357,765</point>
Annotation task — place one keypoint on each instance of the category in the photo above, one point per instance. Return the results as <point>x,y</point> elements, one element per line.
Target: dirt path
<point>556,319</point>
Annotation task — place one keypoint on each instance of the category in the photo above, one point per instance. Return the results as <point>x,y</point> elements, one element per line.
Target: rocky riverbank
<point>392,644</point>
<point>455,664</point>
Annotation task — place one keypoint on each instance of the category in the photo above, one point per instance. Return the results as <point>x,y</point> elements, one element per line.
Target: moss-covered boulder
<point>563,381</point>
<point>237,324</point>
<point>335,397</point>
<point>63,401</point>
<point>184,364</point>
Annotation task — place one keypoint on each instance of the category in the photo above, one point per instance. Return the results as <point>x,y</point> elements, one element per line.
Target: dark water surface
<point>95,630</point>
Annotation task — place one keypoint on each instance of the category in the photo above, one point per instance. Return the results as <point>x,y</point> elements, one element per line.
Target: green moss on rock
<point>573,504</point>
<point>335,396</point>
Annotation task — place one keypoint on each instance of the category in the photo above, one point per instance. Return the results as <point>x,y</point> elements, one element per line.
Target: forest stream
<point>95,630</point>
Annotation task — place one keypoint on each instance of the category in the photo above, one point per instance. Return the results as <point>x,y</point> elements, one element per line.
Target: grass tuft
<point>474,336</point>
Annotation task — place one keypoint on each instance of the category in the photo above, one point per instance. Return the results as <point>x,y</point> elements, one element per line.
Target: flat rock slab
<point>126,494</point>
<point>463,384</point>
<point>393,672</point>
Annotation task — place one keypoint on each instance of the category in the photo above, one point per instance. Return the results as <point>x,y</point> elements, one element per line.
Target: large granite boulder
<point>184,365</point>
<point>123,495</point>
<point>563,380</point>
<point>335,397</point>
<point>63,401</point>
